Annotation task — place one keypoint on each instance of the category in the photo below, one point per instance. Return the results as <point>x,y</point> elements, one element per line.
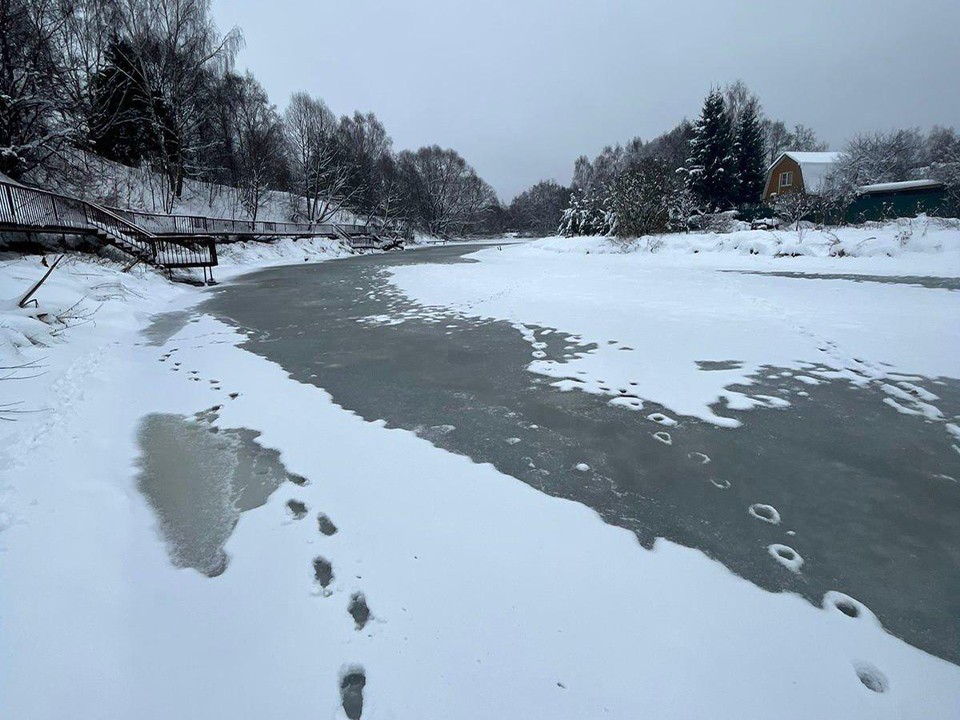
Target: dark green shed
<point>899,199</point>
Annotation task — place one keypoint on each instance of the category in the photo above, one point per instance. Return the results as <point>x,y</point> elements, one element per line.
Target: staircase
<point>357,241</point>
<point>112,236</point>
<point>27,209</point>
<point>172,241</point>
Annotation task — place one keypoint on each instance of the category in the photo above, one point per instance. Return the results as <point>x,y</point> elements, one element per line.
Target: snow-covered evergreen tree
<point>749,154</point>
<point>710,169</point>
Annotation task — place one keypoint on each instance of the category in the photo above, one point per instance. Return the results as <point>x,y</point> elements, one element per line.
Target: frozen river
<point>868,500</point>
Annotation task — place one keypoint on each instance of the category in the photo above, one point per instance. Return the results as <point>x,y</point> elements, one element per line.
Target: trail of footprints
<point>870,676</point>
<point>352,678</point>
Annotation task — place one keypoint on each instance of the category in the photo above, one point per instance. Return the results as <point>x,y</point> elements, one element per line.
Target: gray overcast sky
<point>522,87</point>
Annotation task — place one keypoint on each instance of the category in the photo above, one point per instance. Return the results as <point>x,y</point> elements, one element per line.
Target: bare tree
<point>538,211</point>
<point>943,158</point>
<point>880,157</point>
<point>320,165</point>
<point>737,98</point>
<point>259,144</point>
<point>442,192</point>
<point>366,151</point>
<point>582,173</point>
<point>804,139</point>
<point>640,199</point>
<point>82,41</point>
<point>795,207</point>
<point>33,126</point>
<point>178,51</point>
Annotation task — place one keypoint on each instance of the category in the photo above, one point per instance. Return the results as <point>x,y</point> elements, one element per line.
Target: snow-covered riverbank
<point>487,598</point>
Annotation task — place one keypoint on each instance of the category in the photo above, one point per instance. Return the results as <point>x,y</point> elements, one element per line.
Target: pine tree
<point>120,119</point>
<point>749,153</point>
<point>710,169</point>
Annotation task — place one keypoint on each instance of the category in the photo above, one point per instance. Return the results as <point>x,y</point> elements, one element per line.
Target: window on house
<point>786,179</point>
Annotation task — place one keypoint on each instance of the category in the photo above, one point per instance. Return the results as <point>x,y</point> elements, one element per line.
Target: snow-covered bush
<point>719,222</point>
<point>586,215</point>
<point>640,199</point>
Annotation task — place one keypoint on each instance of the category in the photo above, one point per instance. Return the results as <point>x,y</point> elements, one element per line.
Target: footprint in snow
<point>325,525</point>
<point>786,556</point>
<point>847,605</point>
<point>663,437</point>
<point>871,677</point>
<point>297,509</point>
<point>352,681</point>
<point>700,457</point>
<point>359,610</point>
<point>322,571</point>
<point>767,513</point>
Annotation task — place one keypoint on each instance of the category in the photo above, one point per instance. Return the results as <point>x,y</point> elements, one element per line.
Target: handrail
<point>23,206</point>
<point>123,221</point>
<point>29,207</point>
<point>188,223</point>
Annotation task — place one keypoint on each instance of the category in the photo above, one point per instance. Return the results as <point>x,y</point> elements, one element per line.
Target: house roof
<point>814,158</point>
<point>814,166</point>
<point>897,186</point>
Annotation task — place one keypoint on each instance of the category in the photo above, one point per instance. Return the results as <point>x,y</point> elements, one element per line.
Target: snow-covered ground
<point>487,598</point>
<point>92,177</point>
<point>659,308</point>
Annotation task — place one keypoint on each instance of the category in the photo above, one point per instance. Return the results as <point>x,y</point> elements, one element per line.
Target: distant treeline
<point>150,84</point>
<point>719,163</point>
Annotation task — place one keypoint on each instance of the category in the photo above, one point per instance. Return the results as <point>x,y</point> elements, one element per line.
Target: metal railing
<point>163,240</point>
<point>189,224</point>
<point>31,209</point>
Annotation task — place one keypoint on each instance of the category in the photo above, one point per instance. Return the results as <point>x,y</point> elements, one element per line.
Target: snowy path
<point>487,598</point>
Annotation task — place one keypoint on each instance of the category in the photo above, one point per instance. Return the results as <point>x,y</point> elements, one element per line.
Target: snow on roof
<point>895,186</point>
<point>814,166</point>
<point>817,158</point>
